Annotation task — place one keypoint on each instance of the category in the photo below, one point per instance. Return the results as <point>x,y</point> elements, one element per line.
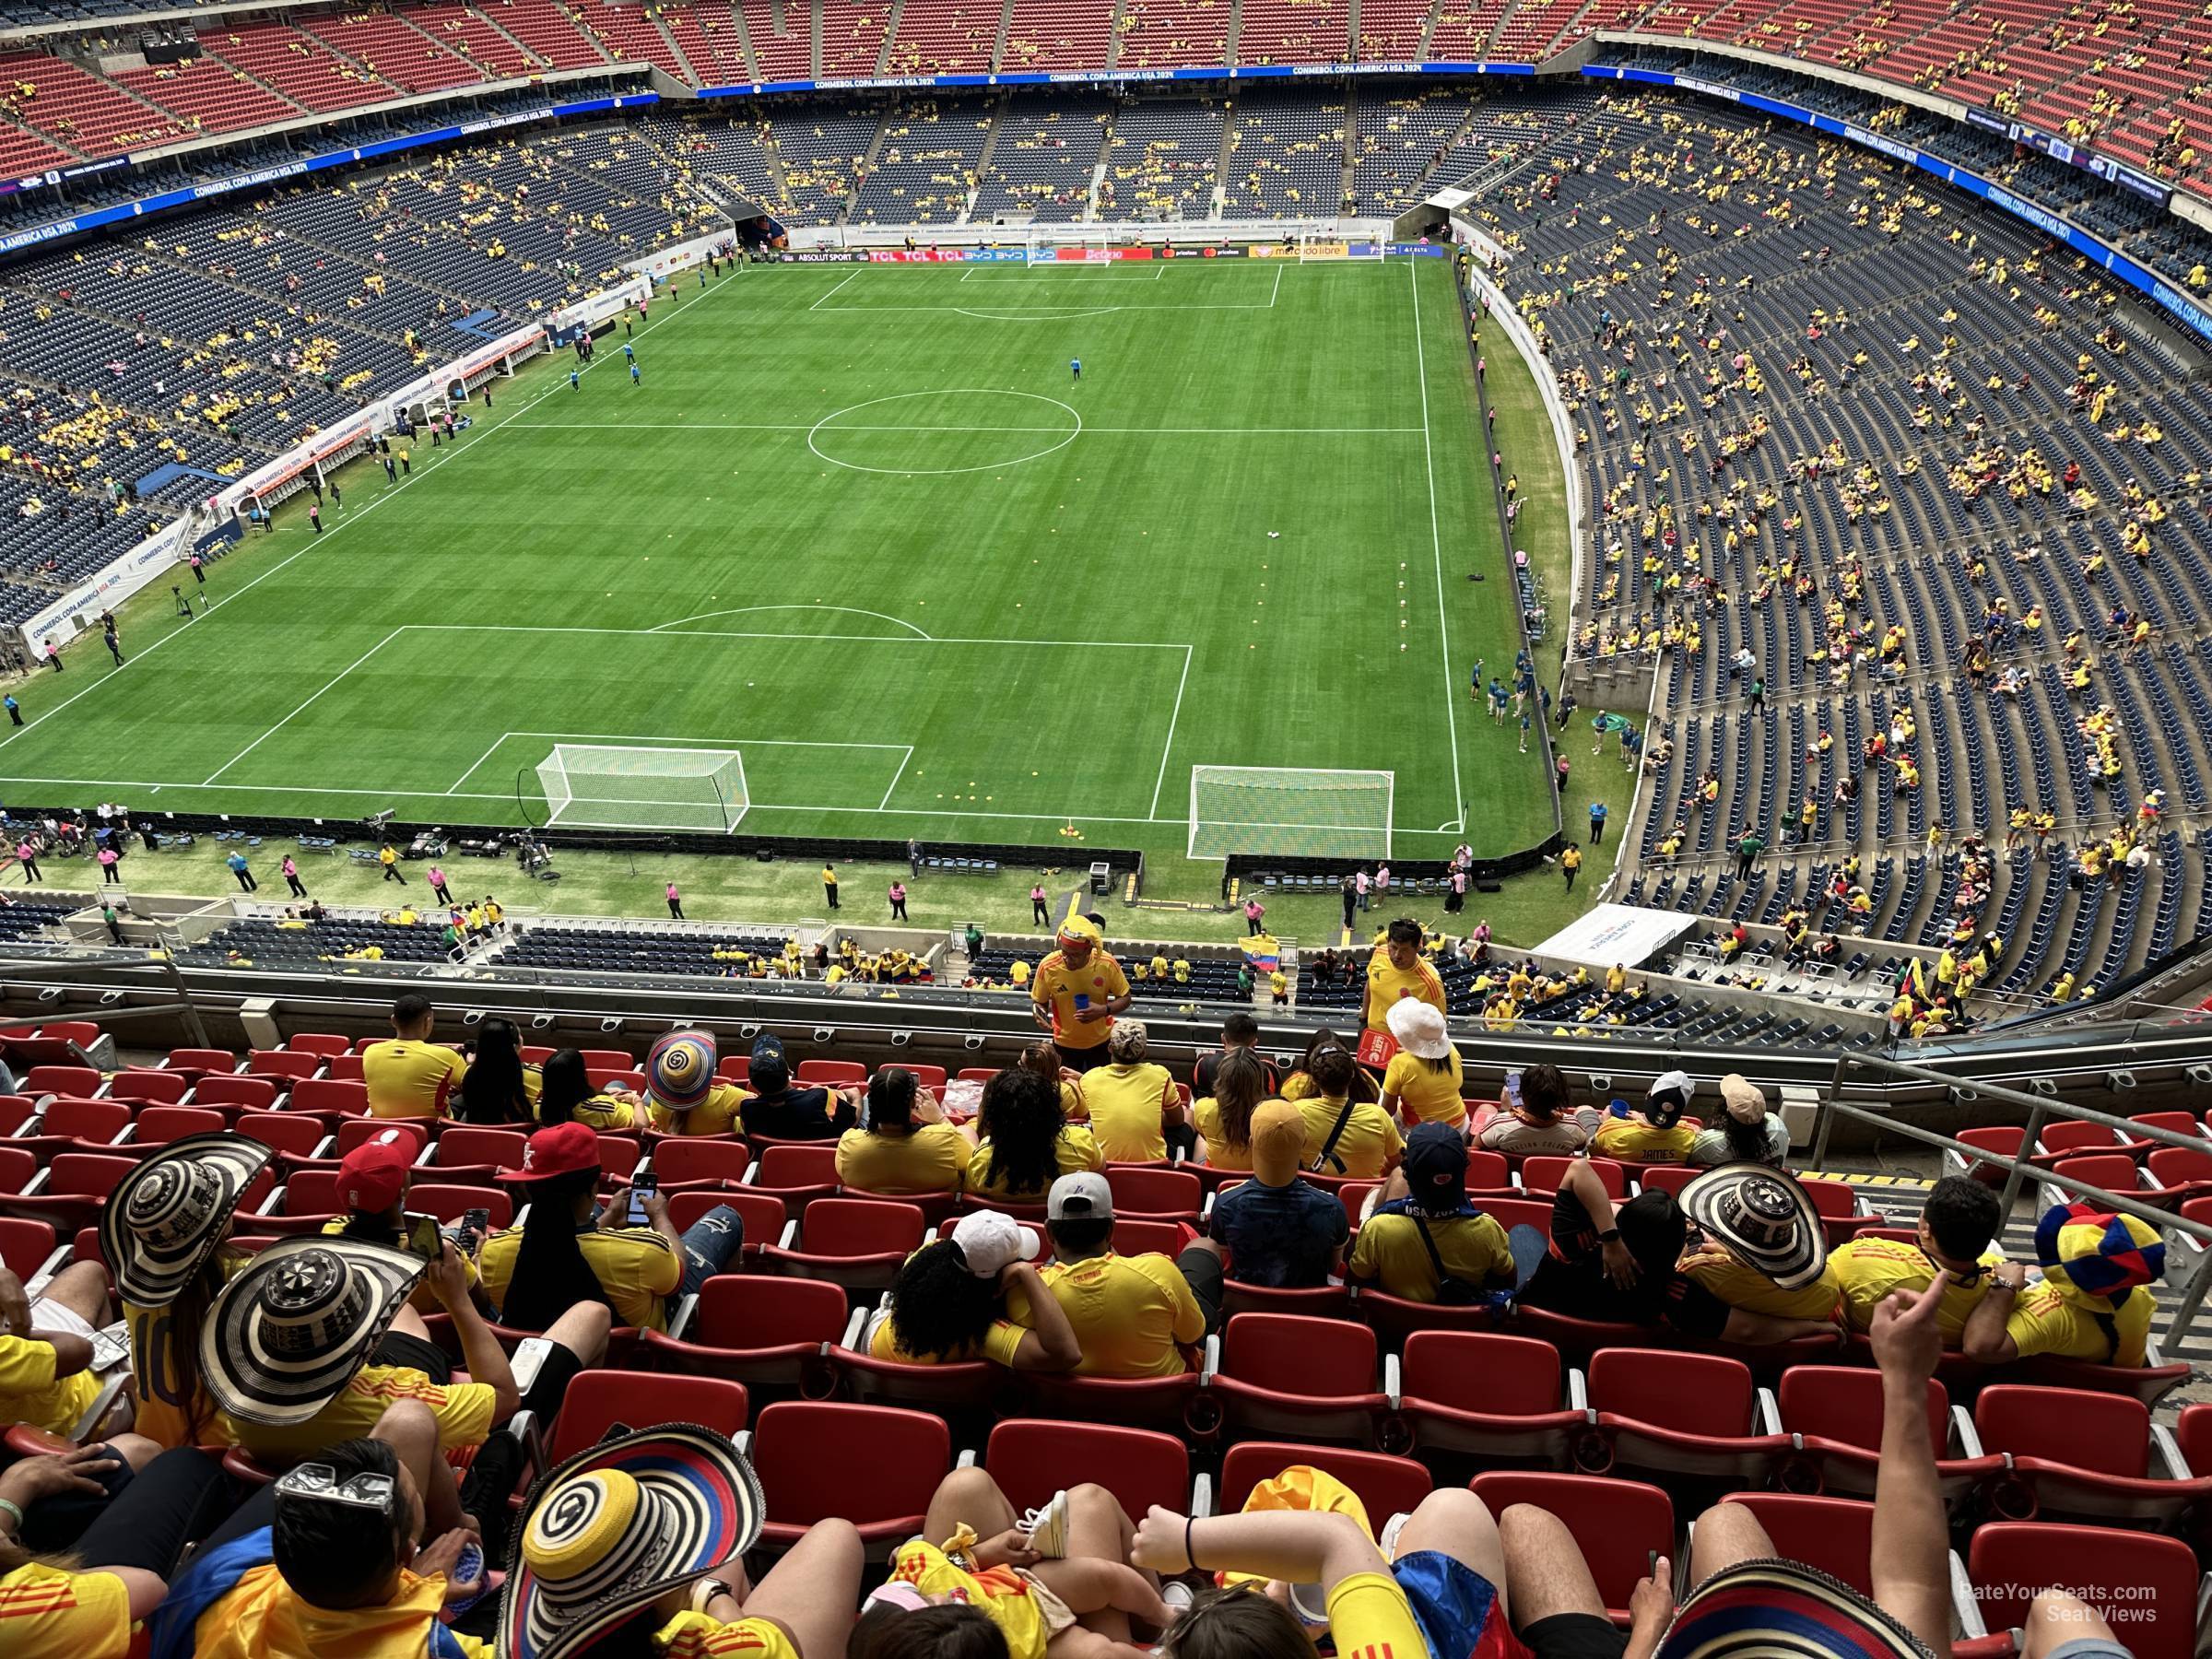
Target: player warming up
<point>1075,367</point>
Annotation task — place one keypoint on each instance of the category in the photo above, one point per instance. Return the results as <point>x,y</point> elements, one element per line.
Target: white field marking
<point>1169,748</point>
<point>1436,541</point>
<point>1067,435</point>
<point>439,458</point>
<point>1078,271</point>
<point>849,275</point>
<point>742,609</point>
<point>662,740</point>
<point>334,679</point>
<point>710,633</point>
<point>1046,313</point>
<point>884,804</point>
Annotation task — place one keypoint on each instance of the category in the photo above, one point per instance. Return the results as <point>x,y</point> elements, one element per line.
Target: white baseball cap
<point>989,1243</point>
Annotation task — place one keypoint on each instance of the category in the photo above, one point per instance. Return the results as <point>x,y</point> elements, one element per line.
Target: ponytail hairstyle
<point>551,1275</point>
<point>563,1084</point>
<point>1240,1085</point>
<point>491,1090</point>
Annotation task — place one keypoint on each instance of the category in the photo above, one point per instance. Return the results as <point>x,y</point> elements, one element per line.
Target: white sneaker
<point>1047,1528</point>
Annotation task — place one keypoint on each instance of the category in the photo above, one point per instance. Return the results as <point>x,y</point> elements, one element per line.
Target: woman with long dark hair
<point>949,1302</point>
<point>565,1095</point>
<point>1224,1120</point>
<point>1024,1140</point>
<point>497,1087</point>
<point>1301,1085</point>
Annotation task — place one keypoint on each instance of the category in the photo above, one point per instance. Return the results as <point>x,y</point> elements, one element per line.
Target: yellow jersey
<point>717,1114</point>
<point>1002,1594</point>
<point>463,1411</point>
<point>997,1346</point>
<point>1126,1103</point>
<point>1431,1092</point>
<point>1868,1270</point>
<point>1370,1143</point>
<point>260,1618</point>
<point>1221,1153</point>
<point>1386,984</point>
<point>696,1636</point>
<point>30,1393</point>
<point>46,1613</point>
<point>1389,1252</point>
<point>1075,1149</point>
<point>635,1266</point>
<point>2043,1322</point>
<point>1642,1143</point>
<point>1056,985</point>
<point>1130,1314</point>
<point>933,1158</point>
<point>1745,1287</point>
<point>410,1079</point>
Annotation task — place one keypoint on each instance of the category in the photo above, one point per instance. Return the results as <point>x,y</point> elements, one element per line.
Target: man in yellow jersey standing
<point>1076,992</point>
<point>1397,971</point>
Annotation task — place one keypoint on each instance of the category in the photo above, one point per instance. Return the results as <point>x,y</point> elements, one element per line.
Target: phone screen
<point>646,1185</point>
<point>423,1236</point>
<point>475,1224</point>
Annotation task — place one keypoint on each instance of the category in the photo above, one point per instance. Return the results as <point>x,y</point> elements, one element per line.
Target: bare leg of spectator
<point>1545,1576</point>
<point>2054,1617</point>
<point>1726,1534</point>
<point>812,1591</point>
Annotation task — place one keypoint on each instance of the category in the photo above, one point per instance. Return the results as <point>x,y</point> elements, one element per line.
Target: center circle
<point>963,431</point>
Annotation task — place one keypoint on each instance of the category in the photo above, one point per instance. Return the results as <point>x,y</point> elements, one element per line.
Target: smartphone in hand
<point>475,1224</point>
<point>643,1185</point>
<point>423,1236</point>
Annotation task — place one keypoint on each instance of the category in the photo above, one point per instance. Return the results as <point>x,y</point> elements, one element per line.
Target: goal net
<point>629,788</point>
<point>1294,811</point>
<point>1314,248</point>
<point>1069,244</point>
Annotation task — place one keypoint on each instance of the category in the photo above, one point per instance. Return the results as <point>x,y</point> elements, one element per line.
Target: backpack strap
<point>1327,1155</point>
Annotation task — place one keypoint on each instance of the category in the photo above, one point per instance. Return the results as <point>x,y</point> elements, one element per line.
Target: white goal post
<point>1316,247</point>
<point>625,787</point>
<point>1294,811</point>
<point>1072,245</point>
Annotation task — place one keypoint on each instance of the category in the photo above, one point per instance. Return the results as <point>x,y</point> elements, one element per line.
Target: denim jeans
<point>709,1245</point>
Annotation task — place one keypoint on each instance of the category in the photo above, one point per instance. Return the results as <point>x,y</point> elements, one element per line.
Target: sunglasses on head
<point>319,1483</point>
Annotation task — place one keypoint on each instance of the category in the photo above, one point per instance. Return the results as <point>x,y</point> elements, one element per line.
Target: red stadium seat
<point>1543,1175</point>
<point>1834,1415</point>
<point>2005,1141</point>
<point>1842,1215</point>
<point>1280,1373</point>
<point>1667,1178</point>
<point>1836,1535</point>
<point>798,1175</point>
<point>18,1167</point>
<point>873,1466</point>
<point>2063,1137</point>
<point>733,1068</point>
<point>1155,1195</point>
<point>162,1088</point>
<point>834,1074</point>
<point>25,1246</point>
<point>1031,1459</point>
<point>323,1044</point>
<point>2114,1171</point>
<point>599,1398</point>
<point>765,1333</point>
<point>2071,1453</point>
<point>762,1213</point>
<point>1485,1395</point>
<point>82,1125</point>
<point>1161,1402</point>
<point>1691,1416</point>
<point>344,1068</point>
<point>449,1201</point>
<point>292,1136</point>
<point>282,1063</point>
<point>200,1062</point>
<point>158,1126</point>
<point>2147,1586</point>
<point>856,1242</point>
<point>248,1094</point>
<point>926,1076</point>
<point>1386,1486</point>
<point>682,1161</point>
<point>1618,1524</point>
<point>73,1192</point>
<point>962,1390</point>
<point>333,1095</point>
<point>43,1080</point>
<point>1395,1320</point>
<point>474,1156</point>
<point>1317,1301</point>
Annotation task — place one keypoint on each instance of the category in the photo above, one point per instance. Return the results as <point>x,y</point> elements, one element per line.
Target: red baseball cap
<point>562,1149</point>
<point>372,1176</point>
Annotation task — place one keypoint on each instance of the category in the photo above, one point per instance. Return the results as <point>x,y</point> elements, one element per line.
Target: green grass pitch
<point>862,525</point>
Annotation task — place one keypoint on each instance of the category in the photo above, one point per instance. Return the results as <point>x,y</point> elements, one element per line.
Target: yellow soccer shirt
<point>1743,1287</point>
<point>696,1636</point>
<point>1429,1093</point>
<point>1129,1313</point>
<point>635,1266</point>
<point>1076,1148</point>
<point>2043,1322</point>
<point>717,1114</point>
<point>424,1298</point>
<point>30,1393</point>
<point>260,1618</point>
<point>410,1079</point>
<point>1389,1252</point>
<point>609,1114</point>
<point>1056,985</point>
<point>1642,1143</point>
<point>933,1158</point>
<point>1386,984</point>
<point>1221,1153</point>
<point>162,1409</point>
<point>1370,1141</point>
<point>463,1411</point>
<point>46,1613</point>
<point>1370,1619</point>
<point>1125,1104</point>
<point>1869,1270</point>
<point>997,1346</point>
<point>1001,1593</point>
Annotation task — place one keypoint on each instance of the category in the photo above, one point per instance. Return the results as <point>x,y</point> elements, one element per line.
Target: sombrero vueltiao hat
<point>616,1526</point>
<point>2095,1256</point>
<point>291,1329</point>
<point>1764,1218</point>
<point>679,1070</point>
<point>163,1219</point>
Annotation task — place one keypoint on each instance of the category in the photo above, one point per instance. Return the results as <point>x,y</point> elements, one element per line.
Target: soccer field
<point>863,525</point>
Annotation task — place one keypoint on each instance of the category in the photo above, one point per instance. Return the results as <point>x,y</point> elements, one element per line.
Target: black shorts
<point>400,1349</point>
<point>1082,1059</point>
<point>1574,1636</point>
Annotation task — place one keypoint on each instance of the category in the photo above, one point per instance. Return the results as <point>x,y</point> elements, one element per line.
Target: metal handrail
<point>2016,1170</point>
